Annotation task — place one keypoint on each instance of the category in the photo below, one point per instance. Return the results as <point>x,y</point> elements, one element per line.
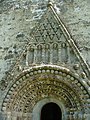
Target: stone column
<point>35,55</point>
<point>43,55</point>
<point>8,116</point>
<point>2,116</point>
<point>27,57</point>
<point>59,53</point>
<point>14,117</point>
<point>51,54</point>
<point>68,53</point>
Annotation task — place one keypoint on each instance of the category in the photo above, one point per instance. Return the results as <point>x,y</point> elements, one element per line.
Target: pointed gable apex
<point>47,29</point>
<point>51,44</point>
<point>51,29</point>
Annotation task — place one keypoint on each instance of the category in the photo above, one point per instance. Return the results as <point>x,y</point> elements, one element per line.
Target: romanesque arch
<point>51,69</point>
<point>47,81</point>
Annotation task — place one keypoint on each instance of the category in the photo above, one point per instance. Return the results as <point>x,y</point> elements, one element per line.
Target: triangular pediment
<point>51,31</point>
<point>51,44</point>
<point>47,30</point>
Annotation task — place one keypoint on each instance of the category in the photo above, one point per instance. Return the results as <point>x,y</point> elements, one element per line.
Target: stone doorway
<point>51,111</point>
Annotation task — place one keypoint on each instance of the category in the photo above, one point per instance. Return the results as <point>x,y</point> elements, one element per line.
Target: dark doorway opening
<point>51,111</point>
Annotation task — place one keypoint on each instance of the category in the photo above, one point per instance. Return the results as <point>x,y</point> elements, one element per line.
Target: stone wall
<point>17,18</point>
<point>16,21</point>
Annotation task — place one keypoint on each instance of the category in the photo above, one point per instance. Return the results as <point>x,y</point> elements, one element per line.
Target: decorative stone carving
<point>40,83</point>
<point>47,70</point>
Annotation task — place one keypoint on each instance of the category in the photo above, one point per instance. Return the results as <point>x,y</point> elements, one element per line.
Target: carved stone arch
<point>47,46</point>
<point>47,81</point>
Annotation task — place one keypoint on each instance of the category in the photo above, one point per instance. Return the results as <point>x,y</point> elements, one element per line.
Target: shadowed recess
<point>51,111</point>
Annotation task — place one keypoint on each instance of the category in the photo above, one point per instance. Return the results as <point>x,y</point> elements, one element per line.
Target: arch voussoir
<point>43,82</point>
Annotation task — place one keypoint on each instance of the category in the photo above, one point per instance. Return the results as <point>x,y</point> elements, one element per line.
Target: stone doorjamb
<point>38,107</point>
